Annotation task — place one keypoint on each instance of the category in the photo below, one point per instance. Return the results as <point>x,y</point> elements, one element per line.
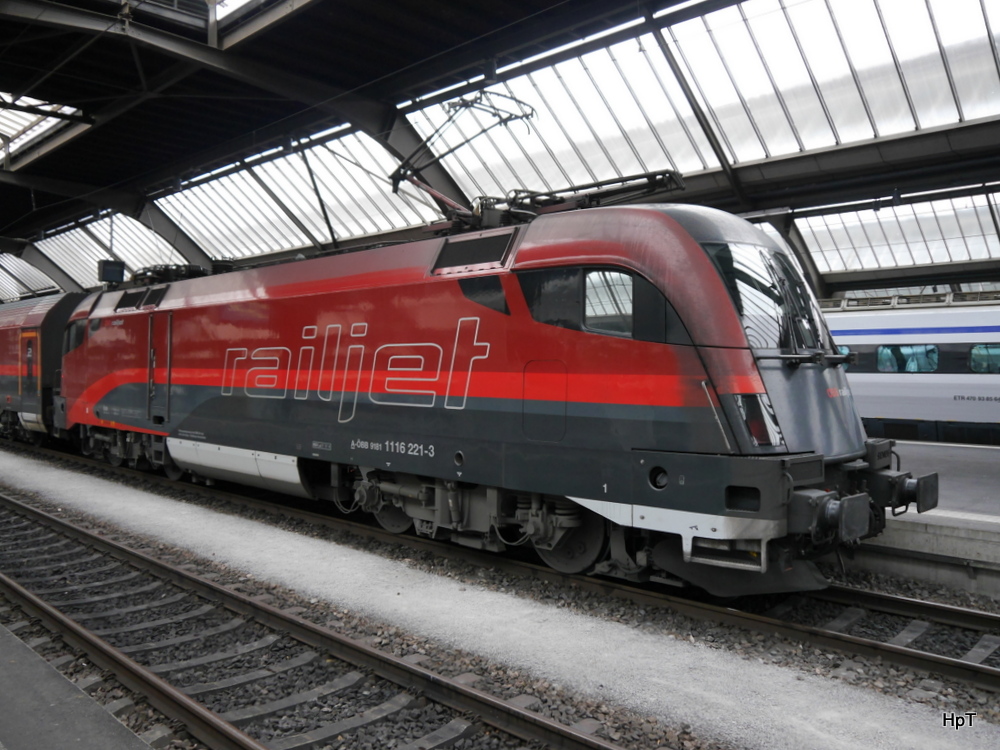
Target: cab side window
<point>608,304</point>
<point>553,295</point>
<point>607,301</point>
<point>73,336</point>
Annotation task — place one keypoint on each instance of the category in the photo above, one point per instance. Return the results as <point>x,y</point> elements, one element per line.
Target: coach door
<point>158,375</point>
<point>29,371</point>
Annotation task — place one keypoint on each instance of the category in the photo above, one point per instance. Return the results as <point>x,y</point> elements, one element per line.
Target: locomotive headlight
<point>759,417</point>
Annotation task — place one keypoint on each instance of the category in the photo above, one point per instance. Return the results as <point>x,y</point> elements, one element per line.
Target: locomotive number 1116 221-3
<point>409,449</point>
<point>400,447</point>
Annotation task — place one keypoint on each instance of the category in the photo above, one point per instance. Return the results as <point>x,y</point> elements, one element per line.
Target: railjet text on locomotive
<point>400,374</point>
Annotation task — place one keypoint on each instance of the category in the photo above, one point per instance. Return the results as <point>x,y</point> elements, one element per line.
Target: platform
<point>42,709</point>
<point>956,544</point>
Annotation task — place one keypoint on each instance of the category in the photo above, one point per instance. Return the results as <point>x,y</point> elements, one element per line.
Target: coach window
<point>985,358</point>
<point>908,358</point>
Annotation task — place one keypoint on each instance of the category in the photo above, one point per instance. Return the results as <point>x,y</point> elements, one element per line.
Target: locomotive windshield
<point>775,305</point>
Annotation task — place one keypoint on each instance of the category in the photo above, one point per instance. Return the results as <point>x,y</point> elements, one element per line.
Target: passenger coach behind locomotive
<point>642,391</point>
<point>31,333</point>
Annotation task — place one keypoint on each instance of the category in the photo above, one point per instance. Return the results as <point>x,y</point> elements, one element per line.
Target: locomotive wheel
<point>173,472</point>
<point>581,547</point>
<point>112,459</point>
<point>393,519</point>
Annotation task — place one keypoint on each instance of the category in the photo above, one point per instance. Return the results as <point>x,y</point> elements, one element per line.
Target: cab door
<point>158,367</point>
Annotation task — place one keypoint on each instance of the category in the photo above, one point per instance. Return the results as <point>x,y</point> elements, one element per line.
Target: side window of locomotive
<point>73,336</point>
<point>623,304</point>
<point>908,358</point>
<point>985,358</point>
<point>553,295</point>
<point>608,302</point>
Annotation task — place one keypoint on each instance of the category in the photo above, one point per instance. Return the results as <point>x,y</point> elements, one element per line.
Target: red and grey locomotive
<point>641,391</point>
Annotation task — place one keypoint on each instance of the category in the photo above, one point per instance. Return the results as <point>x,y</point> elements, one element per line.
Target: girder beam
<point>381,121</point>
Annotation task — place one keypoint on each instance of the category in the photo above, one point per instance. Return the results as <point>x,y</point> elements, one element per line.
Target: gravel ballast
<point>717,684</point>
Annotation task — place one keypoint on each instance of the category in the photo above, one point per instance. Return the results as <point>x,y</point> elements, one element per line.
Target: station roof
<point>865,132</point>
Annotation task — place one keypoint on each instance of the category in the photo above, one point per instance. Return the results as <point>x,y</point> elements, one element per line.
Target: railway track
<point>947,641</point>
<point>238,672</point>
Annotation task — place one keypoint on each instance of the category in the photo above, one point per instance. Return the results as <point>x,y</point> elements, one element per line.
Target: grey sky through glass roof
<point>774,78</point>
<point>18,127</point>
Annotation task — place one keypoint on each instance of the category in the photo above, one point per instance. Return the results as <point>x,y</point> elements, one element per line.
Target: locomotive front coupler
<point>826,515</point>
<point>893,488</point>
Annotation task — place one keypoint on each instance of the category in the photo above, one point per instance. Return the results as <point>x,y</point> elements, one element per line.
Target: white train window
<point>985,358</point>
<point>908,358</point>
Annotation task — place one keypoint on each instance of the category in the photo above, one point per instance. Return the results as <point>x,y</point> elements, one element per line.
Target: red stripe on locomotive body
<point>635,373</point>
<point>81,407</point>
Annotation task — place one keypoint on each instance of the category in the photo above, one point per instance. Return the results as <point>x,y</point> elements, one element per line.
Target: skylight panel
<point>352,173</point>
<point>572,45</point>
<point>225,8</point>
<point>609,113</point>
<point>782,55</point>
<point>745,65</point>
<point>135,243</point>
<point>696,51</point>
<point>233,217</point>
<point>942,231</point>
<point>912,35</point>
<point>77,253</point>
<point>10,288</point>
<point>778,77</point>
<point>273,205</point>
<point>18,128</point>
<point>969,53</point>
<point>825,58</point>
<point>26,275</point>
<point>897,291</point>
<point>867,47</point>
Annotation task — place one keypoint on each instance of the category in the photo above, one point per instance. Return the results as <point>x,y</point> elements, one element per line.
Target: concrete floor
<point>969,474</point>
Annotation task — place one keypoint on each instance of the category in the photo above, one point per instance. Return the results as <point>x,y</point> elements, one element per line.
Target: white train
<point>928,365</point>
